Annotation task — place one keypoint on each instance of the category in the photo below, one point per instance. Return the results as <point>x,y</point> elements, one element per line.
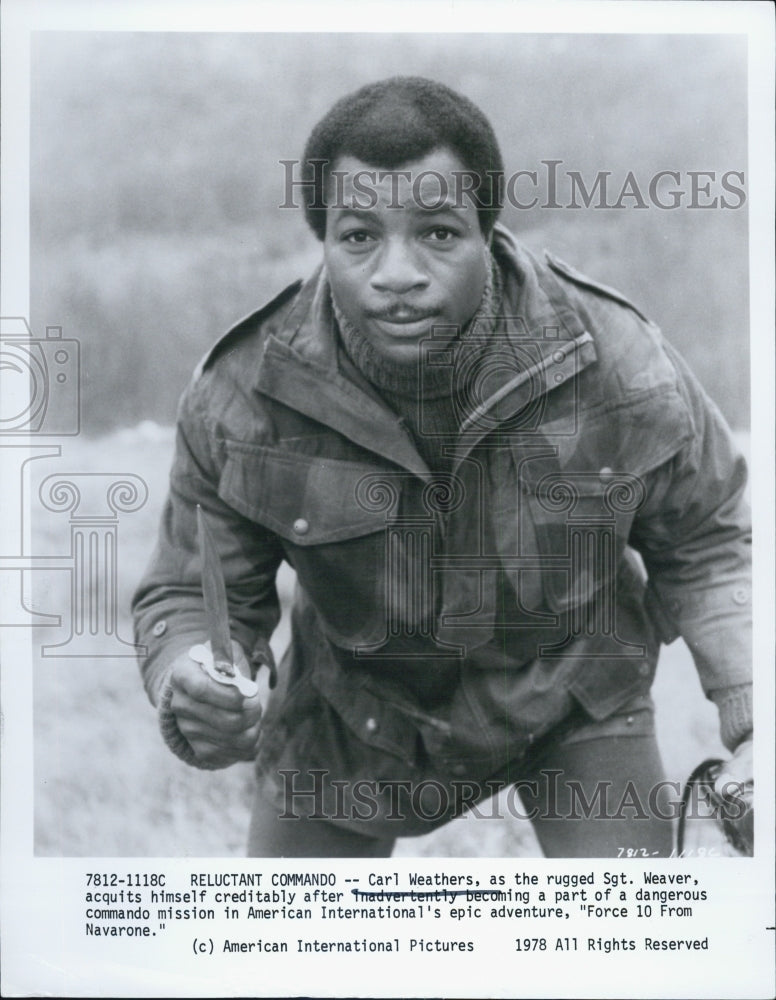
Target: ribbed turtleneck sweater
<point>422,396</point>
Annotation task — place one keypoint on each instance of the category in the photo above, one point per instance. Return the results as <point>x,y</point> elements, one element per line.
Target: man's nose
<point>398,269</point>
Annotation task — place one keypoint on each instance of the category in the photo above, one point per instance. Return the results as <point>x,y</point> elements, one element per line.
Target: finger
<point>729,784</point>
<point>242,747</point>
<point>726,785</point>
<point>217,756</point>
<point>200,687</point>
<point>220,720</point>
<point>239,750</point>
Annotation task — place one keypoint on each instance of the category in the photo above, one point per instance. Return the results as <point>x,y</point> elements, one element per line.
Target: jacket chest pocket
<point>583,493</point>
<point>581,522</point>
<point>331,527</point>
<point>306,500</point>
<point>576,523</point>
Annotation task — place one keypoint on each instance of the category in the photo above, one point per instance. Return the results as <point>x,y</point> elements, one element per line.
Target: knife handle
<point>201,654</point>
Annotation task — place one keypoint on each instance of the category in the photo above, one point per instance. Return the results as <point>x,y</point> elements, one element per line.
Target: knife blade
<point>218,661</point>
<point>214,593</point>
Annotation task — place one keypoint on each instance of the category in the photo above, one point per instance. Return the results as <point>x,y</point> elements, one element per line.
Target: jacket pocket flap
<point>308,500</point>
<point>633,438</point>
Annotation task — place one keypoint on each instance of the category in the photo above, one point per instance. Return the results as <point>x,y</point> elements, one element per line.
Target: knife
<point>217,660</point>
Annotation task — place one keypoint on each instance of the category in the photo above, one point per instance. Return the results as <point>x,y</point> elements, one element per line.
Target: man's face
<point>404,250</point>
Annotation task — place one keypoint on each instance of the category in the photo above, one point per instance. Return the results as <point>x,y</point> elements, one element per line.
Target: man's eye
<point>357,237</point>
<point>441,234</point>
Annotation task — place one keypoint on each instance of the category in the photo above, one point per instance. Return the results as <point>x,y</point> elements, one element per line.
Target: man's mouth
<point>402,315</point>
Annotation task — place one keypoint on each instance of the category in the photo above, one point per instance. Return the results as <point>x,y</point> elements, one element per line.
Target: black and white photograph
<point>387,437</point>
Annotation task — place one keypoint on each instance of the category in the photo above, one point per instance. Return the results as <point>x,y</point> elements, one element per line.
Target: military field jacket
<point>594,508</point>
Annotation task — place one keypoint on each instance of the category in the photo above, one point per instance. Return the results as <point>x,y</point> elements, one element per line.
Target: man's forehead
<point>434,182</point>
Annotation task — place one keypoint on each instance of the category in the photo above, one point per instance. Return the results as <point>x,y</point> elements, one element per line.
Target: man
<point>459,448</point>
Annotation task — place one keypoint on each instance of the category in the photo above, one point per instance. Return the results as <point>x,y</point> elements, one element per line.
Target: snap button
<point>644,669</point>
<point>371,725</point>
<point>160,628</point>
<point>740,596</point>
<point>605,473</point>
<point>629,721</point>
<point>301,526</point>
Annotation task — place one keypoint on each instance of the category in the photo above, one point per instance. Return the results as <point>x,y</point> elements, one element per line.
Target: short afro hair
<point>397,121</point>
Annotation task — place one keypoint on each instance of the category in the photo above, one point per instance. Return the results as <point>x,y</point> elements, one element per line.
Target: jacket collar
<point>304,367</point>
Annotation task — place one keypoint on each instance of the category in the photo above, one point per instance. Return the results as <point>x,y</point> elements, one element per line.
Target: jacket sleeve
<point>694,535</point>
<point>168,605</point>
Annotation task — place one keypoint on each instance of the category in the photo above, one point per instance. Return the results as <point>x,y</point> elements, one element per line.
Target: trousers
<point>598,792</point>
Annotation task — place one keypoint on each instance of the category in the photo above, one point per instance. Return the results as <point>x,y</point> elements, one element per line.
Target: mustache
<point>402,312</point>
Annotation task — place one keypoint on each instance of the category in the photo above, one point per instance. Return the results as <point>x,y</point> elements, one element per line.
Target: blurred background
<point>155,225</point>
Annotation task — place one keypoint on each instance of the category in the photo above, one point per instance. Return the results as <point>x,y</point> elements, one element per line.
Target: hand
<point>738,771</point>
<point>220,724</point>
